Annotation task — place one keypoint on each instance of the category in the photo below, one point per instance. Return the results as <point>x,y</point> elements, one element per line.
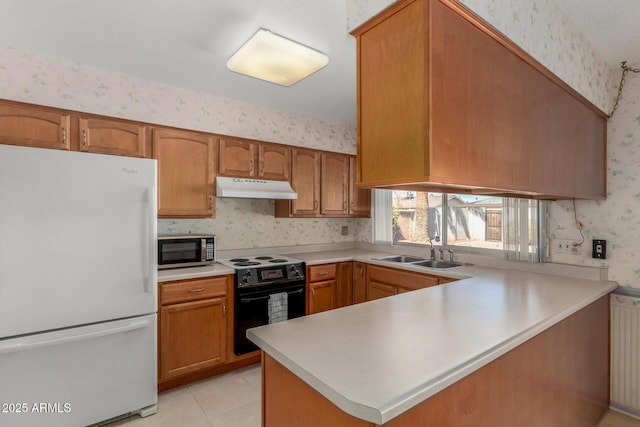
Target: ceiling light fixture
<point>268,56</point>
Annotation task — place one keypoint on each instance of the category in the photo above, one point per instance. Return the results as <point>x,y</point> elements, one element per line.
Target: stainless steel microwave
<point>186,251</point>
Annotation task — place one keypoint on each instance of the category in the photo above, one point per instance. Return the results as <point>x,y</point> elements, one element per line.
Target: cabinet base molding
<point>251,359</point>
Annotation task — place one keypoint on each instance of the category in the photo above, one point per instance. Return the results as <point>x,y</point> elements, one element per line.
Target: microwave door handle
<point>149,269</point>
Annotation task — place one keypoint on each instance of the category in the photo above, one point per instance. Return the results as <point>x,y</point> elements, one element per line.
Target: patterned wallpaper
<point>239,223</point>
<point>249,223</point>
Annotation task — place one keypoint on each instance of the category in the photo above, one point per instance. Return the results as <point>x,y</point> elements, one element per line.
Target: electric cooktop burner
<point>258,261</point>
<point>245,263</point>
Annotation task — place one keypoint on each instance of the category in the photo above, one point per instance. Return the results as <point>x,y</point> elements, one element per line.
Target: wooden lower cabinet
<point>321,288</point>
<point>193,326</point>
<point>359,282</point>
<point>384,282</point>
<point>344,284</point>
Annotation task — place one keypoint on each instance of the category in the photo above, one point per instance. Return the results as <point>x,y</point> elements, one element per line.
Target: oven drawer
<point>193,289</point>
<point>322,272</point>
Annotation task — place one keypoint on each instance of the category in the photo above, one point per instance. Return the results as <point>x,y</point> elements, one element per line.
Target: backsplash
<point>249,223</point>
<point>239,223</point>
<point>537,26</point>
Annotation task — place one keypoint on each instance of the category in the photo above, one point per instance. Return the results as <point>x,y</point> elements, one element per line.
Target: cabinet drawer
<point>189,290</point>
<point>322,272</point>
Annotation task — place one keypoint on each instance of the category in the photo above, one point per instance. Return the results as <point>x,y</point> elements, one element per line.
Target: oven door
<point>252,310</point>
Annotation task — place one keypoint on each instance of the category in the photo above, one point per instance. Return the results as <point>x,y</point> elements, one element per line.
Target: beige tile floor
<point>233,400</point>
<point>228,400</point>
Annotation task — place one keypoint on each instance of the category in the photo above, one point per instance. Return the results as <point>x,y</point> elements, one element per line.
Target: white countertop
<point>378,359</point>
<point>193,272</point>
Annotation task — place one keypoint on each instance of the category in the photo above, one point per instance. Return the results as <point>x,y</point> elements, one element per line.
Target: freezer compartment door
<point>77,239</point>
<point>79,376</point>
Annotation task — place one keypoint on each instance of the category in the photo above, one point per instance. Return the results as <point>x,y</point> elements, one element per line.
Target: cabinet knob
<point>210,202</point>
<point>195,290</point>
<point>64,136</point>
<point>84,137</point>
<point>251,166</point>
<point>224,309</point>
<point>262,168</point>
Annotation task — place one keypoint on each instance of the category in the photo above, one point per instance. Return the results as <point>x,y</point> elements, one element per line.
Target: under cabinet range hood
<point>248,188</point>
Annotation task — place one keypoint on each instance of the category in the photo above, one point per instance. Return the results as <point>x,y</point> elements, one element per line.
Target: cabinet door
<point>344,284</point>
<point>274,162</point>
<point>376,290</point>
<point>322,296</point>
<point>193,336</point>
<point>33,127</point>
<point>305,180</point>
<point>335,185</point>
<point>359,282</point>
<point>112,137</point>
<point>237,158</point>
<point>359,198</point>
<point>185,173</point>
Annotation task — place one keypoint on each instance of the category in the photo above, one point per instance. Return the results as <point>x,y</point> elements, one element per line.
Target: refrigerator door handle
<point>149,267</point>
<point>15,347</point>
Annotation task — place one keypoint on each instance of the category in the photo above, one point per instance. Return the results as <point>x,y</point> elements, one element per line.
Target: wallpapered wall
<point>239,223</point>
<point>545,32</point>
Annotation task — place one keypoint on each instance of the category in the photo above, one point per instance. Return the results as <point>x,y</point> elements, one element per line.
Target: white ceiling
<point>612,27</point>
<point>187,44</point>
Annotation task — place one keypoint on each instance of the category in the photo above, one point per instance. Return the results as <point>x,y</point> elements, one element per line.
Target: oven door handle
<point>246,300</point>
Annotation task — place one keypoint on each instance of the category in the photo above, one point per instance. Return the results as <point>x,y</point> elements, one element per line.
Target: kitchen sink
<point>432,263</point>
<point>401,258</point>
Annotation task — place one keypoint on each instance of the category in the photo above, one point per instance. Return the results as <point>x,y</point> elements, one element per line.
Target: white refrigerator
<point>78,281</point>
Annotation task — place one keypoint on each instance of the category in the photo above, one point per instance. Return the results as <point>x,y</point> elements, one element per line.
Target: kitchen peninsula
<point>499,348</point>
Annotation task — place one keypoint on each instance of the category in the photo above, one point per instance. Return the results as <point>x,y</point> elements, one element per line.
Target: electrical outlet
<point>599,249</point>
<point>345,230</point>
<point>565,246</point>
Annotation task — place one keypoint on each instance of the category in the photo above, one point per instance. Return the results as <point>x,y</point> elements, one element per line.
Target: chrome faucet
<point>432,250</point>
<point>450,255</point>
<point>441,254</point>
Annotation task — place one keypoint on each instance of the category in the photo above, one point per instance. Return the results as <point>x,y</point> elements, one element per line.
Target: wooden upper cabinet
<point>185,173</point>
<point>334,198</point>
<point>274,162</point>
<point>244,158</point>
<point>237,158</point>
<point>458,107</point>
<point>113,137</point>
<point>359,198</point>
<point>34,127</point>
<point>305,180</point>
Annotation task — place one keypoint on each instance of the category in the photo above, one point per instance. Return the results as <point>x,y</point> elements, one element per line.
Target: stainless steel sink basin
<point>432,263</point>
<point>401,258</point>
